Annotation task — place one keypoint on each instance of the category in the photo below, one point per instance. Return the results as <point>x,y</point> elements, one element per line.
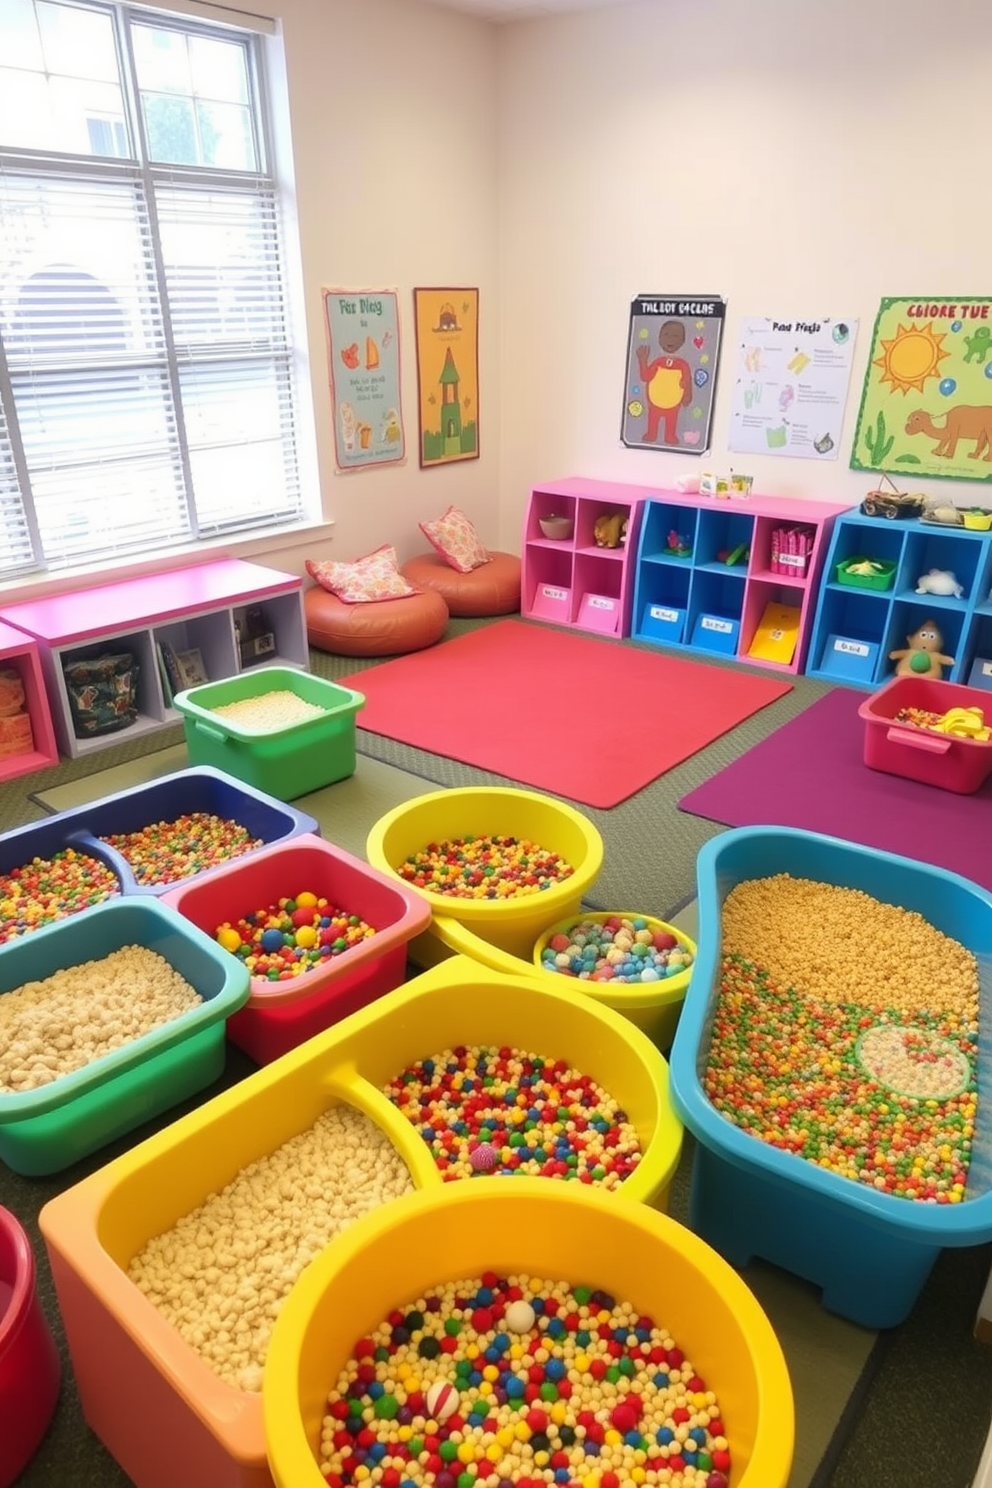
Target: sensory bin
<point>281,1013</point>
<point>30,1371</point>
<point>870,1250</point>
<point>536,1229</point>
<point>417,831</point>
<point>133,1369</point>
<point>78,867</point>
<point>46,1129</point>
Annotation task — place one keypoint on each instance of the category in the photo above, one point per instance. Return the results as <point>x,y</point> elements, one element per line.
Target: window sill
<point>255,547</point>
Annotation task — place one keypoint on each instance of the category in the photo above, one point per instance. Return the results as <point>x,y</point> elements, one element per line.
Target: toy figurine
<point>922,654</point>
<point>939,581</point>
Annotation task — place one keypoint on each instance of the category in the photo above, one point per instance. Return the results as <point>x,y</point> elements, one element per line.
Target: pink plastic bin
<point>954,764</point>
<point>280,1015</point>
<point>30,1372</point>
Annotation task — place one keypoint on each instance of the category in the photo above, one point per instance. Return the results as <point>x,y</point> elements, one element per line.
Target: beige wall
<point>800,157</point>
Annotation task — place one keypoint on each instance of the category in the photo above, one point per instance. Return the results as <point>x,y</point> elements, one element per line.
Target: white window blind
<point>146,394</point>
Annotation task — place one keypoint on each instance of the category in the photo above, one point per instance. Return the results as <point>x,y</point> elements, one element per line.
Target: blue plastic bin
<point>869,1252</point>
<point>46,1129</point>
<point>201,788</point>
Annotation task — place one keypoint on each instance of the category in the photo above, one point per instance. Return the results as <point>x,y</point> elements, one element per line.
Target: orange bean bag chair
<point>381,627</point>
<point>491,589</point>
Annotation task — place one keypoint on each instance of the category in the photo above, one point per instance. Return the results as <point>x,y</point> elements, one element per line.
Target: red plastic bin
<point>956,764</point>
<point>30,1372</point>
<point>280,1015</point>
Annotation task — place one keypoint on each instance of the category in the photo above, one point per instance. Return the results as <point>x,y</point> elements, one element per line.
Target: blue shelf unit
<point>855,628</point>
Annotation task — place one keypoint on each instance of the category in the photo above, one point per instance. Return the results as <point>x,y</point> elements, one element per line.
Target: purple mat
<point>811,774</point>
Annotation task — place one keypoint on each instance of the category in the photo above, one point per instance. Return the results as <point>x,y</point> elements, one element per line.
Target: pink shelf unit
<point>20,654</point>
<point>708,569</point>
<point>197,607</point>
<point>572,580</point>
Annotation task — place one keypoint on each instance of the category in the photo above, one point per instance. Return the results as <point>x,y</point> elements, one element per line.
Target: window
<point>146,385</point>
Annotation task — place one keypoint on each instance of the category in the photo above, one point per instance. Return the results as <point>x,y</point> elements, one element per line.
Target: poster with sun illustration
<point>926,408</point>
<point>447,323</point>
<point>673,347</point>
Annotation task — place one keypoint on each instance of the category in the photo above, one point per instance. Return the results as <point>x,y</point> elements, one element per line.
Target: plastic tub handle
<point>932,743</point>
<point>209,729</point>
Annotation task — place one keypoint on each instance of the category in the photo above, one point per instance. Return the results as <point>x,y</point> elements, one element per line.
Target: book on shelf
<point>189,665</point>
<point>167,671</point>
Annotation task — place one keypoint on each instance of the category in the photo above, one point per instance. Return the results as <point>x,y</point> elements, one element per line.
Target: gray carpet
<point>918,1417</point>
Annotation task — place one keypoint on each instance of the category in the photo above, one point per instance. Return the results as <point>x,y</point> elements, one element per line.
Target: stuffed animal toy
<point>609,530</point>
<point>921,656</point>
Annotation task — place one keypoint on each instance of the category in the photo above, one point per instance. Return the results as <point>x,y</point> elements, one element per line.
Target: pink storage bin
<point>956,764</point>
<point>280,1015</point>
<point>30,1372</point>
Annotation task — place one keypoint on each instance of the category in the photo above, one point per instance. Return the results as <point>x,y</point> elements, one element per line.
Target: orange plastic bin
<point>951,761</point>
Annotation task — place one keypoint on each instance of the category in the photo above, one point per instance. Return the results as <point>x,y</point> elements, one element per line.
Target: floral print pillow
<point>456,539</point>
<point>376,576</point>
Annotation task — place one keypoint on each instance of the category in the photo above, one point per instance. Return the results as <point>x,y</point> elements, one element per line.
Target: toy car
<point>892,504</point>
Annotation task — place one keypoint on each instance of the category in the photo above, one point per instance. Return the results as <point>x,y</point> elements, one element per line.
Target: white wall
<point>796,157</point>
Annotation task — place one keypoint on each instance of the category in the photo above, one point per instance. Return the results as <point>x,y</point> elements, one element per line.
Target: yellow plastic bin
<point>512,924</point>
<point>540,1229</point>
<point>139,1380</point>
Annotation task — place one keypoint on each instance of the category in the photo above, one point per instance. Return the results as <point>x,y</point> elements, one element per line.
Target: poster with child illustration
<point>926,406</point>
<point>363,356</point>
<point>673,347</point>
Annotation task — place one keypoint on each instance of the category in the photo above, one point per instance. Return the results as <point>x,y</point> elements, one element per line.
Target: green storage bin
<point>285,762</point>
<point>882,579</point>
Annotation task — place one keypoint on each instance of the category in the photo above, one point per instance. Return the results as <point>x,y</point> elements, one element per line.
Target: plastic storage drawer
<point>950,761</point>
<point>286,760</point>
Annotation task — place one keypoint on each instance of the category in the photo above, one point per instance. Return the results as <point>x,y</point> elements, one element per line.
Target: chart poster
<point>790,386</point>
<point>673,348</point>
<point>363,355</point>
<point>926,406</point>
<point>447,322</point>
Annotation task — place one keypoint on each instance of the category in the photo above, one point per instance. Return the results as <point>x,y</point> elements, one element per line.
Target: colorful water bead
<point>539,1115</point>
<point>790,1070</point>
<point>485,867</point>
<point>616,949</point>
<point>166,851</point>
<point>293,936</point>
<point>595,1394</point>
<point>48,889</point>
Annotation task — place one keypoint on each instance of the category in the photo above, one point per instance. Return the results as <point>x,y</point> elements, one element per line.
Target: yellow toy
<point>922,656</point>
<point>610,530</point>
<point>963,723</point>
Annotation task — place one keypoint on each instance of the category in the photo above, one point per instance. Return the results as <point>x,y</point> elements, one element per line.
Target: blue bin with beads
<point>88,830</point>
<point>869,1251</point>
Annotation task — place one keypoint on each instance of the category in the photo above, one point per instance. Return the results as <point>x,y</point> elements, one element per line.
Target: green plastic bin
<point>285,762</point>
<point>882,579</point>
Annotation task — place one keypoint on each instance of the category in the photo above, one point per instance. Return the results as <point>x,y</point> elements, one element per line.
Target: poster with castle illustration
<point>926,406</point>
<point>447,325</point>
<point>363,359</point>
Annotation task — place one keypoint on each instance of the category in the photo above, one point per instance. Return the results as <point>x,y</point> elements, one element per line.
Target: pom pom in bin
<point>286,760</point>
<point>513,923</point>
<point>281,1014</point>
<point>133,1368</point>
<point>30,1372</point>
<point>869,1251</point>
<point>543,1229</point>
<point>45,1129</point>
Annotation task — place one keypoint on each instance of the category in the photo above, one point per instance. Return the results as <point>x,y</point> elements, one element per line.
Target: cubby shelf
<point>20,654</point>
<point>855,628</point>
<point>193,607</point>
<point>573,580</point>
<point>733,577</point>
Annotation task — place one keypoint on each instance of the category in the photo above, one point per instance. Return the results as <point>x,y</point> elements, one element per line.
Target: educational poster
<point>926,407</point>
<point>673,348</point>
<point>363,354</point>
<point>447,322</point>
<point>790,386</point>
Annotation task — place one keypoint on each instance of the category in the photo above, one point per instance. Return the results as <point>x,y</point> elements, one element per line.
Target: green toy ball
<point>920,661</point>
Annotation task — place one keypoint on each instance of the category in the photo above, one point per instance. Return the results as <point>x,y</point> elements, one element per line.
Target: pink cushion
<point>491,589</point>
<point>455,538</point>
<point>374,577</point>
<point>388,627</point>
